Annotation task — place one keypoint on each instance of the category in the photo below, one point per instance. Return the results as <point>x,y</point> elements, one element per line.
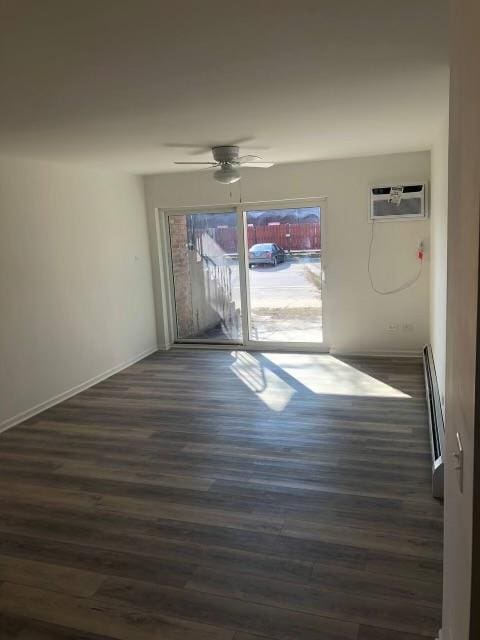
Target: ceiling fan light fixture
<point>227,174</point>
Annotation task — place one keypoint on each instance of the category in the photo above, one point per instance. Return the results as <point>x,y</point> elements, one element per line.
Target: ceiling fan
<point>227,161</point>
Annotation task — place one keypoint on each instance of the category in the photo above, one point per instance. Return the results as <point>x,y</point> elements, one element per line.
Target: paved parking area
<point>286,303</point>
<point>285,285</point>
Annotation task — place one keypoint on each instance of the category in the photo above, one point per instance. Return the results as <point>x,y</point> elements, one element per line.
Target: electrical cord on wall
<point>402,287</point>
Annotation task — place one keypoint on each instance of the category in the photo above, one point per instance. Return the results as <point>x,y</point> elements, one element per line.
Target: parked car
<point>265,253</point>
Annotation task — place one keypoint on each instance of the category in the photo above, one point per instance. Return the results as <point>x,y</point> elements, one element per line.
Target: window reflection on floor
<point>267,385</point>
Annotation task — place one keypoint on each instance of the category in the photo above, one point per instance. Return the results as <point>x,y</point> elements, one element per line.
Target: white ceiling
<point>120,83</point>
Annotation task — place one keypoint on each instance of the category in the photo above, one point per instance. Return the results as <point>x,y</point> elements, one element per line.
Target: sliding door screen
<point>206,284</point>
<point>285,275</point>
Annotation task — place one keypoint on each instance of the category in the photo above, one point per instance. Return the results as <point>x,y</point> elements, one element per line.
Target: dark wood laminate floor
<point>228,496</point>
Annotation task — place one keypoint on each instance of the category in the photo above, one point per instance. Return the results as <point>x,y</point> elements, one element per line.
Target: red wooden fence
<point>290,237</point>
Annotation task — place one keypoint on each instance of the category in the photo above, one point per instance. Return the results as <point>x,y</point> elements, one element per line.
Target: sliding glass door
<point>206,284</point>
<point>284,275</point>
<point>251,275</point>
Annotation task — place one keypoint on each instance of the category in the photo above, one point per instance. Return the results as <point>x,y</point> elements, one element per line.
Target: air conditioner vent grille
<point>384,208</point>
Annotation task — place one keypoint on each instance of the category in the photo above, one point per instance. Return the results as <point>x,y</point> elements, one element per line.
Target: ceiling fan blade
<point>260,164</point>
<point>244,159</point>
<point>212,164</point>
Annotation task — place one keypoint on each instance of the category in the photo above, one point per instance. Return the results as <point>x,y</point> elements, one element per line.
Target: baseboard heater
<point>435,421</point>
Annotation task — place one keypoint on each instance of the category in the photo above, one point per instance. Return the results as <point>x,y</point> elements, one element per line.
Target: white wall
<point>75,280</point>
<point>438,244</point>
<point>356,318</point>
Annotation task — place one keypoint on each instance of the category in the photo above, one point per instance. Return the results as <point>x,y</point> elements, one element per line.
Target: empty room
<point>239,249</point>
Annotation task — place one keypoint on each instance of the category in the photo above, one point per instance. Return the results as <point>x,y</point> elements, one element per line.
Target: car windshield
<point>262,247</point>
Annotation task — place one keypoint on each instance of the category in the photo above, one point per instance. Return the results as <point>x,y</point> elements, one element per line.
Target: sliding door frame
<point>168,310</point>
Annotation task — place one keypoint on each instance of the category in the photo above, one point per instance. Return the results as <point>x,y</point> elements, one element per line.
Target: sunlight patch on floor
<point>267,385</point>
<point>325,374</point>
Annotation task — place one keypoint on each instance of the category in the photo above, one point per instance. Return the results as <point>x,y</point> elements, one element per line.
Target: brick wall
<point>181,275</point>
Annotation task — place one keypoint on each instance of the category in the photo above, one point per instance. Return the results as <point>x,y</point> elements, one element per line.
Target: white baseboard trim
<point>42,406</point>
<point>377,353</point>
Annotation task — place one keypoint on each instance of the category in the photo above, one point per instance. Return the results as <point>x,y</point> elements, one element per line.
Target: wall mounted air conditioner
<point>398,201</point>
